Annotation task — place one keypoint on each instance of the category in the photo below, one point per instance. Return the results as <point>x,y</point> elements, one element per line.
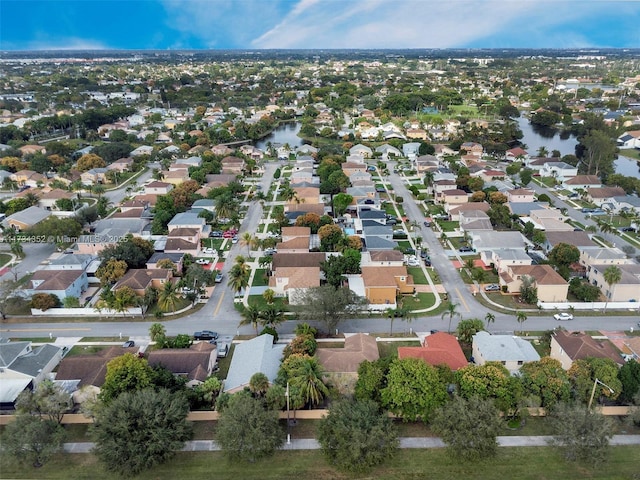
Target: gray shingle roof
<point>256,355</point>
<point>33,363</point>
<point>504,348</point>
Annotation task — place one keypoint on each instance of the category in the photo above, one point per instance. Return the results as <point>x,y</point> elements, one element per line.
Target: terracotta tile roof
<point>177,243</point>
<point>158,184</point>
<point>150,198</point>
<point>386,255</point>
<point>130,213</point>
<point>584,180</point>
<point>296,231</point>
<point>579,346</point>
<point>294,244</point>
<point>182,232</point>
<point>357,348</point>
<point>438,349</point>
<point>56,194</point>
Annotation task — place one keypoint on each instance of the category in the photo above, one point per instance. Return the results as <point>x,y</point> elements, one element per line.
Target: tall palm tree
<point>612,275</point>
<point>489,318</point>
<point>307,377</point>
<point>250,316</point>
<point>521,317</point>
<point>124,298</point>
<point>168,297</point>
<point>543,151</point>
<point>451,312</point>
<point>239,275</point>
<point>272,316</point>
<point>246,241</point>
<point>156,331</point>
<point>17,250</point>
<point>98,190</point>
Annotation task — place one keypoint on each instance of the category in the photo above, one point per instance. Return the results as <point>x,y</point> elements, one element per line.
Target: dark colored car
<point>129,344</point>
<point>465,249</point>
<point>205,335</point>
<point>427,224</point>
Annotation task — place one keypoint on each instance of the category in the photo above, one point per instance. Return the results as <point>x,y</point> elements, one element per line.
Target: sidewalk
<point>405,442</point>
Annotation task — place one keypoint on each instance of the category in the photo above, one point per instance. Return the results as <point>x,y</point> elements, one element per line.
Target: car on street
<point>563,316</point>
<point>465,248</point>
<point>129,344</point>
<point>218,278</point>
<point>492,288</point>
<point>427,263</point>
<point>427,224</point>
<point>234,239</point>
<point>205,335</point>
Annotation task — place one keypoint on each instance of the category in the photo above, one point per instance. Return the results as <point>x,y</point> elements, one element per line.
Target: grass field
<point>539,463</point>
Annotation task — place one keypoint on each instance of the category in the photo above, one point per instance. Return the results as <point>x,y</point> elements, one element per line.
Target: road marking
<point>215,312</point>
<point>44,329</point>
<point>462,300</point>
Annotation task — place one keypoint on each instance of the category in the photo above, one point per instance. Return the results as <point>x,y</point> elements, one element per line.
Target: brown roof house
<point>158,188</point>
<point>294,281</point>
<point>453,198</point>
<point>183,240</point>
<point>566,347</point>
<point>196,363</point>
<point>90,369</point>
<point>62,283</point>
<point>139,279</point>
<point>341,364</point>
<point>602,195</point>
<point>233,165</point>
<point>437,349</point>
<point>382,285</point>
<point>295,240</point>
<point>551,286</point>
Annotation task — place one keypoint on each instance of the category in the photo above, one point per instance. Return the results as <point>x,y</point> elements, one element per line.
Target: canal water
<point>284,133</point>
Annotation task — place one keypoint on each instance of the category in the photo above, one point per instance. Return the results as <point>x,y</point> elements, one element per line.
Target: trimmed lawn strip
<point>420,301</point>
<point>418,275</point>
<point>260,278</point>
<point>533,463</point>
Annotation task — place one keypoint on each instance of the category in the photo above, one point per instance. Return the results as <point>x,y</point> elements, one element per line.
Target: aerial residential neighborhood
<point>228,241</point>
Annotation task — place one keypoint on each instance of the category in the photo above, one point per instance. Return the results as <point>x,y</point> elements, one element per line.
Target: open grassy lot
<point>539,463</point>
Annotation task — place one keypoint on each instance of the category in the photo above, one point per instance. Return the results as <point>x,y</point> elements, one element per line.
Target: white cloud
<point>436,24</point>
<point>69,43</point>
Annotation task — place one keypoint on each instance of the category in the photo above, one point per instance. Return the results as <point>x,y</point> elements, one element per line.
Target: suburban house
<point>511,351</point>
<point>597,255</point>
<point>183,240</point>
<point>176,177</point>
<point>629,139</point>
<point>309,195</point>
<point>259,354</point>
<point>474,220</point>
<point>175,258</point>
<point>91,369</point>
<point>453,198</point>
<point>189,219</point>
<point>95,176</point>
<point>426,163</point>
<point>577,239</point>
<point>341,364</point>
<point>600,196</point>
<point>583,182</point>
<point>624,203</point>
<point>388,151</point>
<point>417,133</point>
<point>566,347</point>
<point>561,171</point>
<point>361,150</point>
<point>382,285</point>
<point>31,149</point>
<point>519,195</point>
<point>294,281</point>
<point>472,148</point>
<point>626,290</point>
<point>382,258</point>
<point>195,363</point>
<point>121,165</point>
<point>502,258</point>
<point>158,188</point>
<point>234,165</point>
<point>516,155</point>
<point>66,261</point>
<point>490,240</point>
<point>349,168</point>
<point>456,212</point>
<point>25,219</point>
<point>550,285</point>
<point>140,279</point>
<point>549,220</point>
<point>411,150</point>
<point>437,349</point>
<point>23,366</point>
<point>62,283</point>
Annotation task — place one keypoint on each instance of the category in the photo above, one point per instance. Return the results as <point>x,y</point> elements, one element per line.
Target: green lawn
<point>260,278</point>
<point>448,226</point>
<point>390,349</point>
<point>631,153</point>
<point>419,302</point>
<point>262,303</point>
<point>541,463</point>
<point>4,259</point>
<point>418,275</point>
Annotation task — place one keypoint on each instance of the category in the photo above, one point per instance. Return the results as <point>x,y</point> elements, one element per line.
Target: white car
<point>563,316</point>
<point>209,250</point>
<point>203,261</point>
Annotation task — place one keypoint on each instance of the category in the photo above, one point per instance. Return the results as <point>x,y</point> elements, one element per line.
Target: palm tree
<point>250,316</point>
<point>489,318</point>
<point>612,275</point>
<point>168,297</point>
<point>451,312</point>
<point>543,151</point>
<point>268,295</point>
<point>259,384</point>
<point>239,275</point>
<point>272,316</point>
<point>246,241</point>
<point>307,377</point>
<point>17,250</point>
<point>157,331</point>
<point>124,298</point>
<point>521,317</point>
<point>98,190</point>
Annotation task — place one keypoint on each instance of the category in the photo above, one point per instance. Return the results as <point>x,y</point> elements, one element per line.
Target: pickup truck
<point>205,335</point>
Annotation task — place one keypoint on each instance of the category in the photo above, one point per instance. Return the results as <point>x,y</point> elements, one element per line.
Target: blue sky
<point>255,24</point>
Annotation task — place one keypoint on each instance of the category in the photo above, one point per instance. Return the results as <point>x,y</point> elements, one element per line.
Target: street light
<point>593,391</point>
<point>286,394</point>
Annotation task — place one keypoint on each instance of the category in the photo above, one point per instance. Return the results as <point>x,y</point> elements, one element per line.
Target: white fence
<point>85,312</point>
<point>590,306</point>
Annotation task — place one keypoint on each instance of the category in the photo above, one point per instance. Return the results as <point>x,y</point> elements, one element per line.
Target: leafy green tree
<point>271,316</point>
<point>57,228</point>
<point>132,250</point>
<point>372,379</point>
<point>140,429</point>
<point>340,203</point>
<point>247,431</point>
<point>414,389</point>
<point>546,381</point>
<point>126,373</point>
<point>584,372</point>
<point>582,435</point>
<point>489,318</point>
<point>355,436</point>
<point>468,328</point>
<point>46,400</point>
<point>44,301</point>
<point>469,427</point>
<point>157,331</point>
<point>629,376</point>
<point>111,271</point>
<point>328,305</point>
<point>259,384</point>
<point>491,381</point>
<point>31,439</point>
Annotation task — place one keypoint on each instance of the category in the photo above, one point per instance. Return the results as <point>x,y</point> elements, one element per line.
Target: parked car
<point>203,261</point>
<point>492,288</point>
<point>563,316</point>
<point>427,224</point>
<point>223,350</point>
<point>215,234</point>
<point>218,278</point>
<point>465,248</point>
<point>129,344</point>
<point>234,239</point>
<point>205,335</point>
<point>424,254</point>
<point>627,229</point>
<point>270,251</point>
<point>427,263</point>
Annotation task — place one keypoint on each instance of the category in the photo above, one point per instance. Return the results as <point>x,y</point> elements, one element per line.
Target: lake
<point>535,137</point>
<point>283,133</point>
